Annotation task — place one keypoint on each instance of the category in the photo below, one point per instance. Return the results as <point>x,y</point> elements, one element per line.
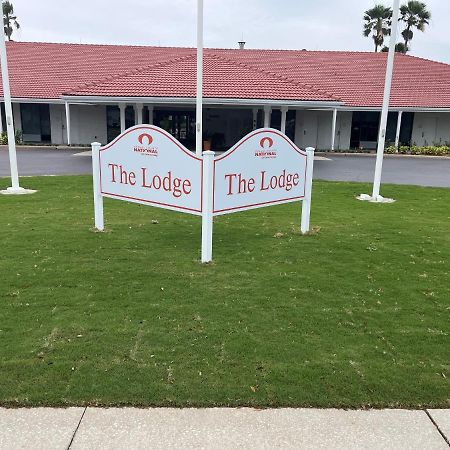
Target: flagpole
<point>199,107</point>
<point>15,187</point>
<point>376,197</point>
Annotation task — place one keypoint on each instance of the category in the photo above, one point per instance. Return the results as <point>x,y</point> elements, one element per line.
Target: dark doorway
<point>406,129</point>
<point>112,122</point>
<point>180,124</point>
<point>365,125</point>
<point>35,119</point>
<point>275,122</point>
<point>365,129</point>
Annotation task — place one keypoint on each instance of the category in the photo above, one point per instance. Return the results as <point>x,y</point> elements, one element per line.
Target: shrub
<point>440,150</point>
<point>4,137</point>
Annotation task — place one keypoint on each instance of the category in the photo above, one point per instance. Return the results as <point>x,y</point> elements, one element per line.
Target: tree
<point>378,23</point>
<point>9,19</point>
<point>399,48</point>
<point>415,15</point>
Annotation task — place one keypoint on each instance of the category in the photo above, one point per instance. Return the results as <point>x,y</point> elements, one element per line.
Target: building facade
<point>76,94</point>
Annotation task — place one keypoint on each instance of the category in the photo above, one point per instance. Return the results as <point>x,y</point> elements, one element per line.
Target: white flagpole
<point>199,109</point>
<point>376,197</point>
<point>15,187</point>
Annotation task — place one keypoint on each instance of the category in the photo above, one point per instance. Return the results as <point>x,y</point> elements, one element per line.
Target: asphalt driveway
<point>422,171</point>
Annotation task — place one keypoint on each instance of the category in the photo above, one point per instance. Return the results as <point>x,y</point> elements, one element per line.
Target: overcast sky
<point>285,24</point>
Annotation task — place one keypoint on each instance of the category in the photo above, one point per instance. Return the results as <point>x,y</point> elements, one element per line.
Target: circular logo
<point>143,137</point>
<point>266,142</point>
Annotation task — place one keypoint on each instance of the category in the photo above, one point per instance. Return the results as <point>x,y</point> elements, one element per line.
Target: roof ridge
<point>127,73</point>
<point>278,76</point>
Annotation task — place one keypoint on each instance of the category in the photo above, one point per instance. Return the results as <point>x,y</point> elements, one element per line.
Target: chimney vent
<point>241,45</point>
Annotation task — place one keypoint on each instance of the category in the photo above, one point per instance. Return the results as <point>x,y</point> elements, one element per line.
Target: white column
<point>384,112</point>
<point>138,113</point>
<point>68,123</point>
<point>9,116</point>
<point>122,107</point>
<point>199,100</point>
<point>150,114</point>
<point>399,126</point>
<point>98,199</point>
<point>267,114</point>
<point>1,120</point>
<point>284,110</point>
<point>306,203</point>
<point>207,207</point>
<point>255,118</point>
<point>333,129</point>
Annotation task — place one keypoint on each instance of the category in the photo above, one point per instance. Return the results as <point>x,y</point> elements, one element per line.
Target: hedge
<point>441,150</point>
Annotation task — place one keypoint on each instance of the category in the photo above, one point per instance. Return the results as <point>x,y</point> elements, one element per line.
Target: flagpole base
<point>17,191</point>
<point>378,199</point>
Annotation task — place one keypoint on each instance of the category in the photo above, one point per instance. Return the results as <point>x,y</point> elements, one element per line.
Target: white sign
<point>147,165</point>
<point>265,168</point>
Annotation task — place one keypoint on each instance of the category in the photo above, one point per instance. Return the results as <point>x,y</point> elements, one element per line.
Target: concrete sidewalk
<point>222,428</point>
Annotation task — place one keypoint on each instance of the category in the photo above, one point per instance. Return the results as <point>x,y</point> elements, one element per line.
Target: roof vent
<point>241,45</point>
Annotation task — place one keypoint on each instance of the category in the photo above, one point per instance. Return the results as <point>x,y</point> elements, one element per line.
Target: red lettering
<point>157,179</point>
<point>113,171</point>
<point>144,181</point>
<point>187,187</point>
<point>263,174</point>
<point>273,182</point>
<point>168,183</point>
<point>284,181</point>
<point>230,177</point>
<point>251,185</point>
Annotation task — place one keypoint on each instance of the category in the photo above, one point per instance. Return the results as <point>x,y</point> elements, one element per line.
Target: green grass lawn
<point>354,315</point>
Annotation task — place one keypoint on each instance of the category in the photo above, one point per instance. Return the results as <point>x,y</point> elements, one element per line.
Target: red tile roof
<point>223,78</point>
<point>48,71</point>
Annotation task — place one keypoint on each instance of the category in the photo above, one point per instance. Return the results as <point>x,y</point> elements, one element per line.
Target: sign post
<point>98,199</point>
<point>15,188</point>
<point>207,213</point>
<point>306,204</point>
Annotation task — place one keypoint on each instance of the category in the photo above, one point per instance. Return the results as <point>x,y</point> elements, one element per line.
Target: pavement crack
<point>437,427</point>
<point>76,429</point>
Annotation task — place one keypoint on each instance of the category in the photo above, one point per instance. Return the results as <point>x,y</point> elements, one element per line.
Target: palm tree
<point>399,48</point>
<point>378,22</point>
<point>415,15</point>
<point>9,19</point>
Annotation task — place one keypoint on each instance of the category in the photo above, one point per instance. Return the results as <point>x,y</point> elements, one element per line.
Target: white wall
<point>58,124</point>
<point>431,128</point>
<point>313,129</point>
<point>88,124</point>
<point>343,130</point>
<point>306,129</point>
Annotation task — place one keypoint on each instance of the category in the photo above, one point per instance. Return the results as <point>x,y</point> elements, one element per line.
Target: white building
<point>76,94</point>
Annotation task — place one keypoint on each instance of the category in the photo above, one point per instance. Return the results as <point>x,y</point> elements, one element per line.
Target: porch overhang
<point>239,102</point>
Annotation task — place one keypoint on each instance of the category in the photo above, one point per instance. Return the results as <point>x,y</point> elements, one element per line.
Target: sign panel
<point>264,168</point>
<point>145,164</point>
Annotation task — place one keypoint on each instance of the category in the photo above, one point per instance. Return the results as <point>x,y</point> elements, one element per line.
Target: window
<point>112,122</point>
<point>275,122</point>
<point>35,119</point>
